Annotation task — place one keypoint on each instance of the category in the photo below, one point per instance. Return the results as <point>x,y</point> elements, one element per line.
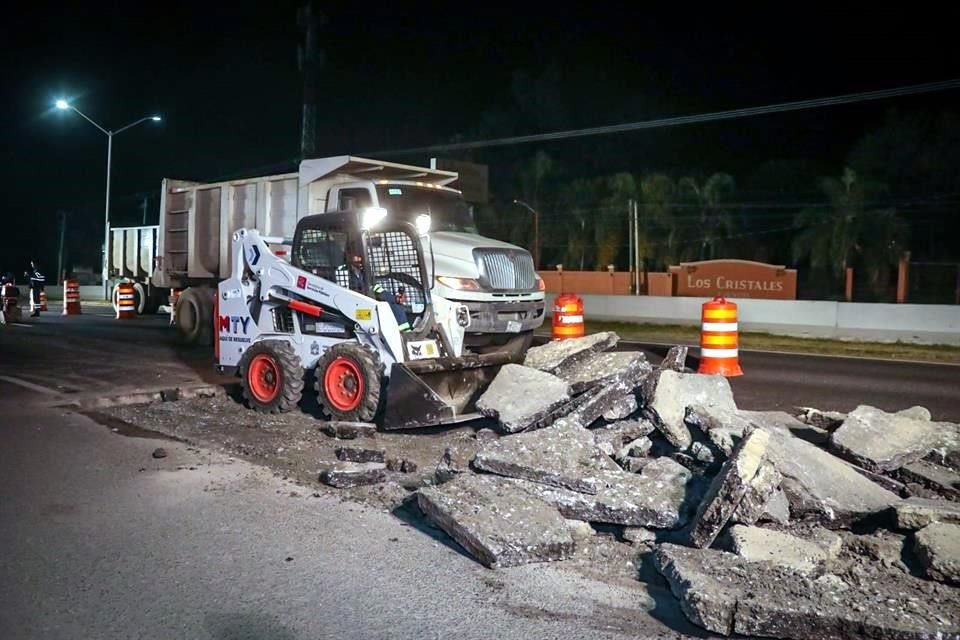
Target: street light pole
<point>64,105</point>
<point>536,232</point>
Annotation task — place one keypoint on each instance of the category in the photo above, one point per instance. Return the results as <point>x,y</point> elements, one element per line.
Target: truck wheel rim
<point>343,384</point>
<point>264,378</point>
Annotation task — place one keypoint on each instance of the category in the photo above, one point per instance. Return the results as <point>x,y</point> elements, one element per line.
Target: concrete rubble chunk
<point>580,530</point>
<point>728,488</point>
<point>621,409</point>
<point>554,355</point>
<point>938,547</point>
<point>933,476</point>
<point>701,453</point>
<point>916,513</point>
<point>881,441</point>
<point>827,420</point>
<point>359,454</point>
<point>456,459</point>
<point>561,455</point>
<point>639,536</point>
<point>522,398</point>
<point>777,509</point>
<point>667,394</point>
<point>353,474</point>
<point>349,430</point>
<point>756,544</point>
<point>916,413</point>
<point>601,368</point>
<point>657,497</point>
<point>401,465</point>
<point>783,422</point>
<point>612,437</point>
<point>726,594</point>
<point>816,483</point>
<point>759,493</point>
<point>634,449</point>
<point>676,359</point>
<point>496,521</point>
<point>591,405</point>
<point>635,465</point>
<point>723,426</point>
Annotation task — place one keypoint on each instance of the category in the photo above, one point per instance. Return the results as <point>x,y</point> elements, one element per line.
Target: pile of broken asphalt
<point>812,525</point>
<point>815,525</point>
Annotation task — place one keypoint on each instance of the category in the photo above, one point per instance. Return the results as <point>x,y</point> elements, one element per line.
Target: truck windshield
<point>447,210</point>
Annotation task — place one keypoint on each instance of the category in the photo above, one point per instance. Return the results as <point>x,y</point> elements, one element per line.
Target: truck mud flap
<point>427,393</point>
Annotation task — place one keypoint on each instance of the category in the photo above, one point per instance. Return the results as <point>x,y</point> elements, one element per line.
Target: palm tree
<point>711,223</point>
<point>851,229</point>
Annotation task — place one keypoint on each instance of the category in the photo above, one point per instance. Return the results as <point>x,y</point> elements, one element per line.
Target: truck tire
<point>349,380</point>
<point>271,377</point>
<point>194,316</point>
<point>152,300</point>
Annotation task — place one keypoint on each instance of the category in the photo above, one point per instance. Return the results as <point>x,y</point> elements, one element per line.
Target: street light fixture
<point>63,105</point>
<point>536,232</point>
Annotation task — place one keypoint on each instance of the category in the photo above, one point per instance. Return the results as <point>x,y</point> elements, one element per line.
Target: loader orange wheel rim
<point>264,378</point>
<point>343,384</point>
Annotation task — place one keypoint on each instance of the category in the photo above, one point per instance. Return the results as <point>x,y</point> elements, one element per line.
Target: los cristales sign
<point>735,279</point>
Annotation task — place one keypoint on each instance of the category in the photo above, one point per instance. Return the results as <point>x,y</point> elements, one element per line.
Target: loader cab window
<point>354,199</point>
<point>447,209</point>
<point>321,251</point>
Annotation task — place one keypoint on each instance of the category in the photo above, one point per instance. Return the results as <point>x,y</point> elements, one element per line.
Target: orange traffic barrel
<point>43,301</point>
<point>126,301</point>
<point>71,298</point>
<point>718,339</point>
<point>567,316</point>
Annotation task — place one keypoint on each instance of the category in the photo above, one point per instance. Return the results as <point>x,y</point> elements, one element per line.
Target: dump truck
<point>494,281</point>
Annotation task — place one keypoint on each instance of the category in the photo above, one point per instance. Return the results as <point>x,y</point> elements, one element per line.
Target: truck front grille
<point>505,269</point>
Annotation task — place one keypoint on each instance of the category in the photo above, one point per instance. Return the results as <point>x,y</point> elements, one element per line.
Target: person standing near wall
<point>37,283</point>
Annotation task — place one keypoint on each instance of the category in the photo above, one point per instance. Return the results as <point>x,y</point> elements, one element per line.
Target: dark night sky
<point>225,79</point>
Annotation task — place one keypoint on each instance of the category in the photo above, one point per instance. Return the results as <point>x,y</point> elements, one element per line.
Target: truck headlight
<point>541,285</point>
<point>423,224</point>
<point>371,216</point>
<point>462,284</point>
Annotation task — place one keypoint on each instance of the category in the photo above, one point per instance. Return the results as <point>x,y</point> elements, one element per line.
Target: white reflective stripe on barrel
<point>720,327</point>
<point>571,319</point>
<point>718,353</point>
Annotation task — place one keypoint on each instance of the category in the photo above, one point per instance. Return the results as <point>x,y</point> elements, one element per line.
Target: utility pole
<point>63,231</point>
<point>309,61</point>
<point>144,208</point>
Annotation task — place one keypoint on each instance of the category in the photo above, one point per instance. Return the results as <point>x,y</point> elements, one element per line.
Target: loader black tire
<point>349,381</point>
<point>193,316</point>
<point>271,377</point>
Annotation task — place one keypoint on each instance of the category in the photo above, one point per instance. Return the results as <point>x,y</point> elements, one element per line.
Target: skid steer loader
<point>278,320</point>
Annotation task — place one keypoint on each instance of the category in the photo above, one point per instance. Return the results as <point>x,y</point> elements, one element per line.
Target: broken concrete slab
<point>728,488</point>
<point>599,369</point>
<point>591,405</point>
<point>522,398</point>
<point>554,355</point>
<point>783,422</point>
<point>640,536</point>
<point>702,453</point>
<point>942,480</point>
<point>816,483</point>
<point>496,521</point>
<point>756,544</point>
<point>401,465</point>
<point>881,441</point>
<point>726,594</point>
<point>667,394</point>
<point>359,454</point>
<point>612,437</point>
<point>916,413</point>
<point>579,530</point>
<point>776,510</point>
<point>353,474</point>
<point>638,448</point>
<point>349,430</point>
<point>827,420</point>
<point>621,409</point>
<point>456,459</point>
<point>916,513</point>
<point>561,455</point>
<point>761,489</point>
<point>676,359</point>
<point>634,464</point>
<point>657,497</point>
<point>938,547</point>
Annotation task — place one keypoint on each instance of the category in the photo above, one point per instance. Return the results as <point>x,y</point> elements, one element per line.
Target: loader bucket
<point>425,393</point>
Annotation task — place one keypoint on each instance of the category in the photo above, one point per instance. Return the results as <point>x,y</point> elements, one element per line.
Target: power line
<point>816,103</point>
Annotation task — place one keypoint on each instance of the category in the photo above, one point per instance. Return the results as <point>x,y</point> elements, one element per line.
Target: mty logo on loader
<point>235,325</point>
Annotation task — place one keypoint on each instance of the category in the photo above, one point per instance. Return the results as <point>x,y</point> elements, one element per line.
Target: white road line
<point>20,324</point>
<point>29,385</point>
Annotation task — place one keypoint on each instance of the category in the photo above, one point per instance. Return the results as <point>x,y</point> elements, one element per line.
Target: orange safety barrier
<point>567,316</point>
<point>719,341</point>
<point>173,299</point>
<point>71,298</point>
<point>126,301</point>
<point>43,301</point>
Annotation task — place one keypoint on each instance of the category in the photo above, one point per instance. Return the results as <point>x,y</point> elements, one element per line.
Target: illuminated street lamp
<point>63,105</point>
<point>536,232</point>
